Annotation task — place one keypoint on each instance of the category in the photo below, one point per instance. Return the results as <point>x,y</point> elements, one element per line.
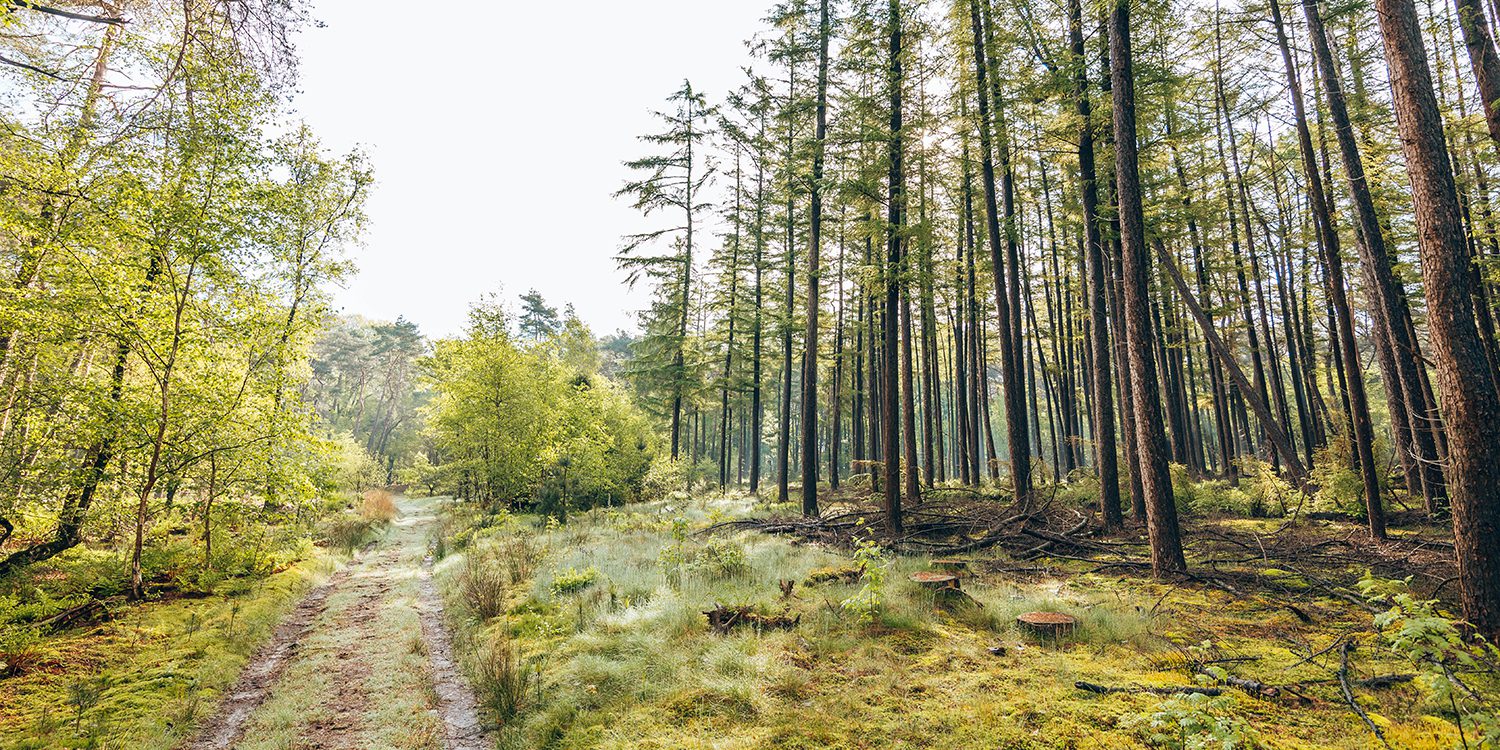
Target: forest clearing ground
<point>358,675</point>
<point>612,621</point>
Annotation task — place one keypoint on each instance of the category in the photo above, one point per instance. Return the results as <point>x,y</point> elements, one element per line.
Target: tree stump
<point>930,579</point>
<point>1047,624</point>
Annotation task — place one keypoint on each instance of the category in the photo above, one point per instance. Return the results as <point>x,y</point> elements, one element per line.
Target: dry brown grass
<point>378,505</point>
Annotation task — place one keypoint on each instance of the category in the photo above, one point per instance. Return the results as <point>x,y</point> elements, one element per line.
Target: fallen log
<point>1177,690</point>
<point>85,612</point>
<point>722,619</point>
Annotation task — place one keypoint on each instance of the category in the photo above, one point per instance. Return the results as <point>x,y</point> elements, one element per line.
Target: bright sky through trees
<point>516,186</point>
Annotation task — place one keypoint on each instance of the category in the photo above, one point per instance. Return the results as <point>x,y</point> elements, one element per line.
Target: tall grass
<point>505,684</point>
<point>483,584</point>
<point>378,505</point>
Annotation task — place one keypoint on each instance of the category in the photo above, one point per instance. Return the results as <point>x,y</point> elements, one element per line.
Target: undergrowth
<point>604,645</point>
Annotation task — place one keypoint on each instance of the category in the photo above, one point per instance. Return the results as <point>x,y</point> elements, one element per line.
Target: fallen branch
<point>85,612</point>
<point>1180,690</point>
<point>1349,694</point>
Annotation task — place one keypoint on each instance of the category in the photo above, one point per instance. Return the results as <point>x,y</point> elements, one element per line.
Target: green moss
<point>156,669</point>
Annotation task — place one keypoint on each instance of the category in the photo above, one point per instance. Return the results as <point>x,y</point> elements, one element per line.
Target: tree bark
<point>1156,482</point>
<point>1468,389</point>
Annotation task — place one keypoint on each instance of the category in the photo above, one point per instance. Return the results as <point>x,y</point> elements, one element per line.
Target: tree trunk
<point>1156,481</point>
<point>810,344</point>
<point>895,216</point>
<point>1468,388</point>
<point>1364,434</point>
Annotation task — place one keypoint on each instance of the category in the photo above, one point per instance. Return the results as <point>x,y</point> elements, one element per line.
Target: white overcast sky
<point>497,130</point>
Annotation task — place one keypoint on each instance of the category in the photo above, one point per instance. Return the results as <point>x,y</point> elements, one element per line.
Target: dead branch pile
<point>722,619</point>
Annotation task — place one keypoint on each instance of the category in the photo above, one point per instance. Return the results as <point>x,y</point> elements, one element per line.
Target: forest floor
<point>592,634</point>
<point>349,657</point>
<point>604,643</point>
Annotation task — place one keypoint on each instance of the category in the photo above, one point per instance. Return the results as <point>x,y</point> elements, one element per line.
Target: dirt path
<point>461,726</point>
<point>363,661</point>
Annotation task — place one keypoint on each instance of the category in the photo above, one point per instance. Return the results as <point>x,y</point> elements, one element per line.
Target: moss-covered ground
<point>145,677</point>
<point>612,649</point>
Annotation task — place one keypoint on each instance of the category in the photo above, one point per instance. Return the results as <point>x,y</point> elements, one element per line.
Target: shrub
<point>378,506</point>
<point>664,477</point>
<point>506,686</point>
<point>866,604</point>
<point>1340,487</point>
<point>719,558</point>
<point>19,651</point>
<point>1194,721</point>
<point>573,580</point>
<point>483,585</point>
<point>1266,488</point>
<point>1447,662</point>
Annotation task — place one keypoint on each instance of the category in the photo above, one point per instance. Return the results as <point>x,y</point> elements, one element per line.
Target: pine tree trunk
<point>1010,369</point>
<point>1363,435</point>
<point>895,205</point>
<point>810,342</point>
<point>1156,482</point>
<point>1470,400</point>
<point>1394,348</point>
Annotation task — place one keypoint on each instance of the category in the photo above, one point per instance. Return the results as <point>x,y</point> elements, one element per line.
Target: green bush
<point>867,603</point>
<point>573,580</point>
<point>20,650</point>
<point>1458,672</point>
<point>719,558</point>
<point>664,477</point>
<point>1340,487</point>
<point>1194,721</point>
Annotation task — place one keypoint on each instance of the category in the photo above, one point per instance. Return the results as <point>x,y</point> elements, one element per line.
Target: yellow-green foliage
<point>573,580</point>
<point>521,423</point>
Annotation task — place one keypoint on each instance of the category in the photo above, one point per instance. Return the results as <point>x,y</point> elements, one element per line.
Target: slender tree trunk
<point>1156,482</point>
<point>895,217</point>
<point>810,344</point>
<point>1395,350</point>
<point>1364,435</point>
<point>1010,370</point>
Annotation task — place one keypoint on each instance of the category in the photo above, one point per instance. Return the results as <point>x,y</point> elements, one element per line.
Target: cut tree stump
<point>1047,624</point>
<point>931,579</point>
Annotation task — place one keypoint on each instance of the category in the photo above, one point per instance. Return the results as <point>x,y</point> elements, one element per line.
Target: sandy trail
<point>360,591</point>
